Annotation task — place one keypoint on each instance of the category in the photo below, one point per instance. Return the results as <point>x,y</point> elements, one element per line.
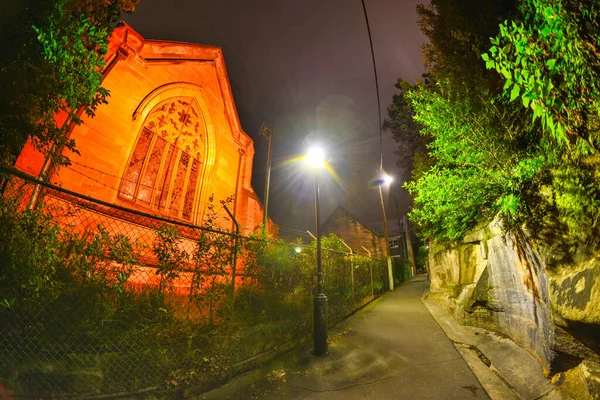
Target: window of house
<point>393,243</point>
<point>165,165</point>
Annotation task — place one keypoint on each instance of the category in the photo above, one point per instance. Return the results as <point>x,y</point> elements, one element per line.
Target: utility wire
<point>376,85</point>
<point>292,230</point>
<point>346,204</point>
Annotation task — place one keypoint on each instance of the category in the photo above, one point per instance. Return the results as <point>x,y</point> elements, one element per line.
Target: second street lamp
<point>316,160</point>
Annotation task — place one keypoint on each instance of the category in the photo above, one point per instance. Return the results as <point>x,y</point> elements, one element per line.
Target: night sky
<point>305,69</point>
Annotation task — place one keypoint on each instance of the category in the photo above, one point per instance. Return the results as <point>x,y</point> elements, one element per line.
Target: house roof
<point>349,214</point>
<point>392,225</point>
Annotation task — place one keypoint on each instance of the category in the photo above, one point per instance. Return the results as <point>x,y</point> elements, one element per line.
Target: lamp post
<point>385,179</point>
<point>315,158</point>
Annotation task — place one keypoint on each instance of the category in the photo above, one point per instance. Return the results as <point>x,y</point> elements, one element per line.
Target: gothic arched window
<point>165,165</point>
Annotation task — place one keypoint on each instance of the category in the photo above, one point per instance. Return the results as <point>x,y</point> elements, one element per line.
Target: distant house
<point>397,246</point>
<point>356,234</point>
<point>359,236</point>
<point>397,229</point>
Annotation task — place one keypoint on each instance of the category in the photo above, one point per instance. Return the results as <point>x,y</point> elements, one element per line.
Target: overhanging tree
<point>534,160</point>
<point>51,57</point>
<point>549,57</point>
<point>477,144</point>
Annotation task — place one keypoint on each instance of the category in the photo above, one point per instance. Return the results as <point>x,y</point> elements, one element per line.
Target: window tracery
<point>165,165</point>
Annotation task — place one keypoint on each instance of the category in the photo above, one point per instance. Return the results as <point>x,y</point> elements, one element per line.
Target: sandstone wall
<point>499,281</point>
<point>496,281</point>
<point>575,291</point>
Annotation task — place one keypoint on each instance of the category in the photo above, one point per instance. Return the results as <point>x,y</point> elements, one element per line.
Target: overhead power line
<point>376,85</point>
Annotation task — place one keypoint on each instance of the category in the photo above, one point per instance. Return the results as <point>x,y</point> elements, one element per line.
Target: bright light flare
<point>383,180</point>
<point>386,179</point>
<point>302,163</point>
<point>315,158</point>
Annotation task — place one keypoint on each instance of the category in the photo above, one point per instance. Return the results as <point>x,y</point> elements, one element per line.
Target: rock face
<point>508,283</point>
<point>496,281</point>
<point>575,291</point>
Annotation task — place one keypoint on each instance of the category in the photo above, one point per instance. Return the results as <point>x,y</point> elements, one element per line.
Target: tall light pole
<point>385,179</point>
<point>267,134</point>
<point>316,160</point>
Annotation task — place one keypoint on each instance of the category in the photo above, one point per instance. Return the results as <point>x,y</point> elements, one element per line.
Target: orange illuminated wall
<point>168,139</point>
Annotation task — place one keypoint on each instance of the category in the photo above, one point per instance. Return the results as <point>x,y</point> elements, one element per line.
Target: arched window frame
<point>170,157</point>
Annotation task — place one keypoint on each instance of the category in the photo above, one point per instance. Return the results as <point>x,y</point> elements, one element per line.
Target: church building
<point>169,138</point>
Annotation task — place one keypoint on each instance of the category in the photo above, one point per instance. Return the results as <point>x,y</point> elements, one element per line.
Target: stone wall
<point>575,291</point>
<point>499,281</point>
<point>496,281</point>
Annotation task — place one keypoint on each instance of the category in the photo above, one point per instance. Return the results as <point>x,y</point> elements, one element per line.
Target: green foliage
<point>422,257</point>
<point>480,165</point>
<point>533,161</point>
<point>71,302</point>
<point>99,259</point>
<point>171,259</point>
<point>458,31</point>
<point>576,188</point>
<point>282,280</point>
<point>51,57</point>
<point>411,150</point>
<point>402,270</point>
<point>472,164</point>
<point>30,255</point>
<point>550,60</point>
<point>212,258</point>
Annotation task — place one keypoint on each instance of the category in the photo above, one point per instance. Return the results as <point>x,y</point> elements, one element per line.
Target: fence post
<point>352,274</point>
<point>351,267</point>
<point>234,262</point>
<point>370,269</point>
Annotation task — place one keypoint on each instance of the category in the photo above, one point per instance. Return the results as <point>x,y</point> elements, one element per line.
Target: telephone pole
<point>267,134</point>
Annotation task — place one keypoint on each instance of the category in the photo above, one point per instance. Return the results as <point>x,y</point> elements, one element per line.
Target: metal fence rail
<point>99,300</point>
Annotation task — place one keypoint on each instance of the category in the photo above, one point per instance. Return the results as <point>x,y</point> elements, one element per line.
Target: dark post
<point>234,261</point>
<point>267,134</point>
<point>320,300</point>
<point>387,241</point>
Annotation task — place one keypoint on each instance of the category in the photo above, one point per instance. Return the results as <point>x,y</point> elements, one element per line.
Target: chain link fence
<point>100,301</point>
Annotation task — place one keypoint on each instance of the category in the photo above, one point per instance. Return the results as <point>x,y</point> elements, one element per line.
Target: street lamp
<point>315,158</point>
<point>385,179</point>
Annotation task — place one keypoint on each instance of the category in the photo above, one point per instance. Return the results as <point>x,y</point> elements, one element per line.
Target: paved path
<point>391,349</point>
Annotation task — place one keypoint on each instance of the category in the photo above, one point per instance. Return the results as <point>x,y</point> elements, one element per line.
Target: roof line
<point>353,216</point>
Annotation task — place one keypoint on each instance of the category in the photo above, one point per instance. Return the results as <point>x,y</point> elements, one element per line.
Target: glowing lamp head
<point>383,180</point>
<point>386,179</point>
<point>315,158</point>
<point>298,249</point>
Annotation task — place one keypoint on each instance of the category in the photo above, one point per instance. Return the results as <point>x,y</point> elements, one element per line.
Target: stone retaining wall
<point>500,281</point>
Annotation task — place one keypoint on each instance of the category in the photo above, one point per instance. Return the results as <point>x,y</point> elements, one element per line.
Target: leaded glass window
<point>165,165</point>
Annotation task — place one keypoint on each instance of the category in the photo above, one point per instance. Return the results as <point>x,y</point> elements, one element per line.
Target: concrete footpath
<point>505,370</point>
<point>391,349</point>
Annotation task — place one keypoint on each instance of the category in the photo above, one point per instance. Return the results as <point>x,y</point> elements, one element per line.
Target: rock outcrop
<point>499,280</point>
